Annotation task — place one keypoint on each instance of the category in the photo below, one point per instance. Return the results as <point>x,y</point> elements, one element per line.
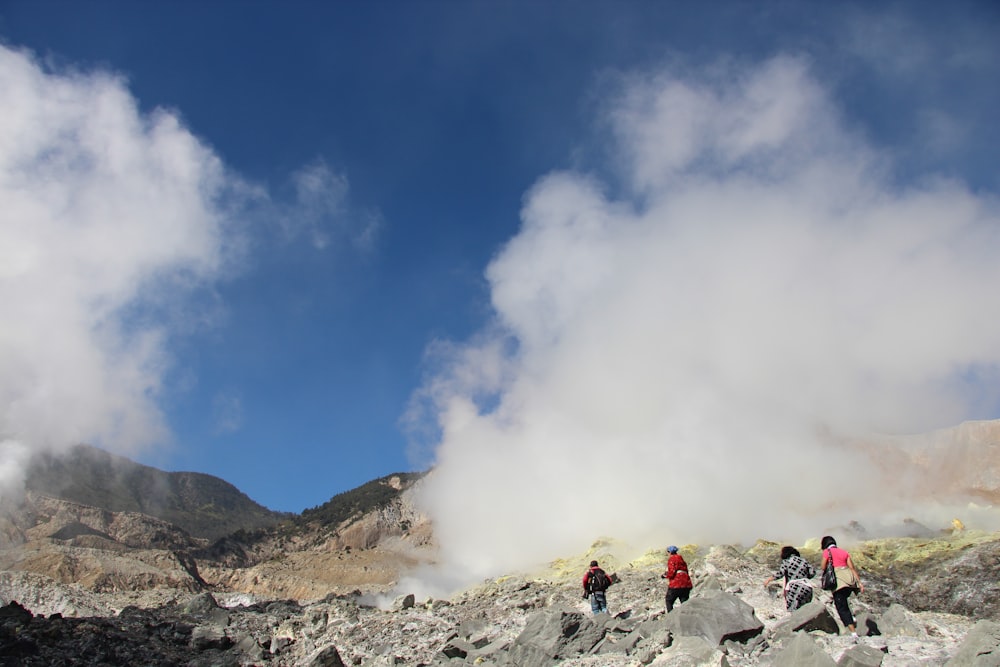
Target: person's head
<point>671,549</point>
<point>828,542</point>
<point>593,563</point>
<point>788,552</point>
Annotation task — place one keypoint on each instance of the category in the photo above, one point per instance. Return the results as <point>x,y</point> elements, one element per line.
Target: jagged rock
<point>457,648</point>
<point>981,647</point>
<point>898,621</point>
<point>205,637</point>
<point>486,653</point>
<point>554,634</point>
<point>649,648</point>
<point>715,618</point>
<point>866,625</point>
<point>812,616</point>
<point>200,605</point>
<point>404,602</point>
<point>861,656</point>
<point>625,645</point>
<point>327,657</point>
<point>15,612</point>
<point>709,583</point>
<point>801,650</point>
<point>650,627</point>
<point>248,646</point>
<point>689,652</point>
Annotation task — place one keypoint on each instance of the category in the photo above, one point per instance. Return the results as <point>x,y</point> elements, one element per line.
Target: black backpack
<point>598,580</point>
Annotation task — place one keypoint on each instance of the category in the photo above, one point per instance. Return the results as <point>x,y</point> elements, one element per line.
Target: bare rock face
<point>366,552</point>
<point>106,551</point>
<point>97,549</point>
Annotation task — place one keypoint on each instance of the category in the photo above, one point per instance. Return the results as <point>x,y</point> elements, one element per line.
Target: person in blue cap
<point>678,581</point>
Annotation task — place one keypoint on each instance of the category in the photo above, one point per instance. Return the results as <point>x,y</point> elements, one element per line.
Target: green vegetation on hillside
<point>358,501</point>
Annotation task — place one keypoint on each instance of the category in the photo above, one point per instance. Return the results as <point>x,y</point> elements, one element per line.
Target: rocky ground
<point>82,585</point>
<point>535,619</point>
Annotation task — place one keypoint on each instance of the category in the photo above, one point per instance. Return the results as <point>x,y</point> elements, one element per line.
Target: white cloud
<point>227,412</point>
<point>104,208</point>
<point>322,210</point>
<point>113,222</point>
<point>682,357</point>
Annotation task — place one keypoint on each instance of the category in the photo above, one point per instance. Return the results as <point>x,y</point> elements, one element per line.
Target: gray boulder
<point>716,618</point>
<point>801,650</point>
<point>690,652</point>
<point>200,605</point>
<point>457,648</point>
<point>861,656</point>
<point>898,621</point>
<point>327,657</point>
<point>488,652</point>
<point>866,625</point>
<point>554,634</point>
<point>625,644</point>
<point>404,602</point>
<point>808,617</point>
<point>981,647</point>
<point>206,637</point>
<point>648,649</point>
<point>650,627</point>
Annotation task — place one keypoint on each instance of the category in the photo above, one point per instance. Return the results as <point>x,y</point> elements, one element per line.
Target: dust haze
<point>681,343</point>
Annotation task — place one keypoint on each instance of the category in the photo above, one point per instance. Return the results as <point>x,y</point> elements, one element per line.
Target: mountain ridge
<point>201,504</point>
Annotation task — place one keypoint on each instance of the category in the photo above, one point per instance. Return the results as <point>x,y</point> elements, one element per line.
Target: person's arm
<point>781,572</point>
<point>857,577</point>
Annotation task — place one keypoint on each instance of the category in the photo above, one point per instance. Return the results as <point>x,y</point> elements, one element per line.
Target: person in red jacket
<point>595,582</point>
<point>678,581</point>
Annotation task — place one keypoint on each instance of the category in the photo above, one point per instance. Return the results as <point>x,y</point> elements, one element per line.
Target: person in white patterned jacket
<point>797,572</point>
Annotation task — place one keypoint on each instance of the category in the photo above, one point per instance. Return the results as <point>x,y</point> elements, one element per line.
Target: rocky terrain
<point>533,618</point>
<point>94,585</point>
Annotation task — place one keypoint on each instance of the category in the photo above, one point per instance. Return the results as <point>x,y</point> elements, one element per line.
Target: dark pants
<point>677,595</point>
<point>843,609</point>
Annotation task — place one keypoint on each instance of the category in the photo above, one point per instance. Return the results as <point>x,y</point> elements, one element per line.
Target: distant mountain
<point>203,505</point>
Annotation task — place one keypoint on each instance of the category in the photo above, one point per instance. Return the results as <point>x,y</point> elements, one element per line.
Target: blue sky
<point>373,162</point>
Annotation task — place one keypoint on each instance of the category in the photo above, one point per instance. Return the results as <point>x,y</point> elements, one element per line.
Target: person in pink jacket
<point>848,580</point>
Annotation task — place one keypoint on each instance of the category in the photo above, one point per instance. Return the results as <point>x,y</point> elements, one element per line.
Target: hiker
<point>595,583</point>
<point>848,580</point>
<point>678,582</point>
<point>797,572</point>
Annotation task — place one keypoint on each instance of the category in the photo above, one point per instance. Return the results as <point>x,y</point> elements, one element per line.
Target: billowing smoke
<point>674,356</point>
<point>107,215</point>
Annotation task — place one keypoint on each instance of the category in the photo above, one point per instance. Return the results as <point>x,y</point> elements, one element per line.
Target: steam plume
<point>105,212</point>
<point>669,362</point>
